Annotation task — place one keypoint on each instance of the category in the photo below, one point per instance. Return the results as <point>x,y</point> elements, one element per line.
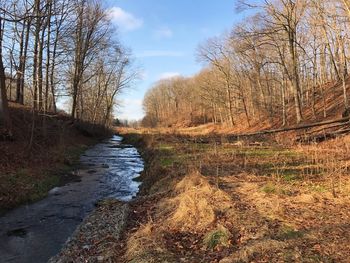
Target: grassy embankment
<point>239,203</point>
<point>29,171</point>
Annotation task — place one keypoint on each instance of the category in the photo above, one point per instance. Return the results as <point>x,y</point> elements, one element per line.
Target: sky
<point>163,36</point>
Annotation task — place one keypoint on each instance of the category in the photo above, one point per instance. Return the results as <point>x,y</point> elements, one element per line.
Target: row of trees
<point>275,65</point>
<point>51,48</point>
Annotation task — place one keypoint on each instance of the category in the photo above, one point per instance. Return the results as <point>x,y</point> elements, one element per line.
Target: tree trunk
<point>77,63</point>
<point>40,70</point>
<point>295,76</point>
<point>344,74</point>
<point>52,76</point>
<point>47,81</point>
<point>23,68</point>
<point>19,75</point>
<point>229,102</point>
<point>5,119</point>
<point>283,98</point>
<point>35,57</point>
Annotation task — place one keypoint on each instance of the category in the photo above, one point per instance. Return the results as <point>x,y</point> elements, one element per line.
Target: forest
<point>61,49</point>
<point>277,65</point>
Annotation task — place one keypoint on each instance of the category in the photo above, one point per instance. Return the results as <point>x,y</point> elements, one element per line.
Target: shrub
<point>218,237</point>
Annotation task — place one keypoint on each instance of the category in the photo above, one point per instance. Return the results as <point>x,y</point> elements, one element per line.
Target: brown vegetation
<point>52,50</point>
<point>36,161</point>
<point>239,203</point>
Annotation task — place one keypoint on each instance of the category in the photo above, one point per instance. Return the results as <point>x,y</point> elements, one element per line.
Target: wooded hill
<point>51,49</point>
<point>287,64</point>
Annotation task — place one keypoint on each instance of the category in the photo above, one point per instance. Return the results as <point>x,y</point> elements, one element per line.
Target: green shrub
<point>269,188</point>
<point>218,237</point>
<point>287,232</point>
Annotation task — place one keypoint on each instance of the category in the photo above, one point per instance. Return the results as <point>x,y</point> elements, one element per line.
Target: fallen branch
<point>323,136</point>
<point>234,137</point>
<point>294,128</point>
<point>328,127</point>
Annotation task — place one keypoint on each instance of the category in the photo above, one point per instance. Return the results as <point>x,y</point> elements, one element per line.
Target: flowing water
<point>36,232</point>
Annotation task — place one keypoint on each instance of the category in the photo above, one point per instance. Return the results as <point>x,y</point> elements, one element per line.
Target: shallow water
<point>36,232</point>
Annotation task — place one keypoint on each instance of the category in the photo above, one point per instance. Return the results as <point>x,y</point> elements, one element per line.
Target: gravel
<point>96,239</point>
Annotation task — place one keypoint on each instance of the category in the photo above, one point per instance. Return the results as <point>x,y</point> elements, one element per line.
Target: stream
<point>36,232</point>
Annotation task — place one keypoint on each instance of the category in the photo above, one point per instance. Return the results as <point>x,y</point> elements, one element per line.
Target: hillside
<point>327,107</point>
<point>41,154</point>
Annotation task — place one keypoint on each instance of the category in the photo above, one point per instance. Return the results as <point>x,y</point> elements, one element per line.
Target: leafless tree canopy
<point>274,65</point>
<point>61,48</point>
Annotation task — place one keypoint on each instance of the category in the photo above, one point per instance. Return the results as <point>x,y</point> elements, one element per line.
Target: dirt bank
<point>42,154</point>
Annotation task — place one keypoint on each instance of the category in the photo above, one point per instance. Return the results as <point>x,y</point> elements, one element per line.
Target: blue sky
<point>163,36</point>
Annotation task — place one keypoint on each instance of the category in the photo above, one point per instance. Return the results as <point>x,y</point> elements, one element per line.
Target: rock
<point>54,191</point>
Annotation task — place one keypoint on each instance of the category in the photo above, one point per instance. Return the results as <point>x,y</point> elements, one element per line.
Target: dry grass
<point>192,207</point>
<point>250,252</point>
<point>237,203</point>
<point>331,162</point>
<point>143,240</point>
<point>194,204</point>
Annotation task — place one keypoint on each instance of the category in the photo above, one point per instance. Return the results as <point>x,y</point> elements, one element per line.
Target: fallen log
<point>322,136</point>
<point>293,128</point>
<point>329,127</point>
<point>236,137</point>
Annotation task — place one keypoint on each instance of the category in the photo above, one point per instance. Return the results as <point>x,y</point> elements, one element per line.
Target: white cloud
<point>132,102</point>
<point>159,53</point>
<point>169,75</point>
<point>163,32</point>
<point>126,21</point>
<point>130,109</point>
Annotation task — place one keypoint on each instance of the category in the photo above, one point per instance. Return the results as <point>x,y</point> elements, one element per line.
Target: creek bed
<point>36,232</point>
